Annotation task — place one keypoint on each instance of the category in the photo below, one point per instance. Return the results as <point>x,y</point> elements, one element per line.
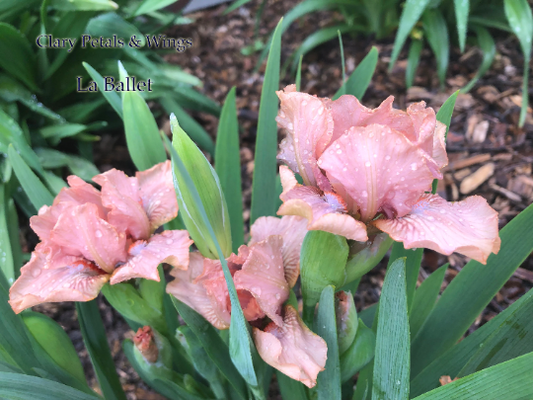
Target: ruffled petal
<point>293,230</point>
<point>80,231</point>
<point>379,169</point>
<point>157,194</point>
<point>310,126</point>
<point>79,281</point>
<point>324,212</point>
<point>78,193</point>
<point>263,276</point>
<point>468,227</point>
<point>250,307</point>
<point>121,195</point>
<point>171,247</point>
<point>188,290</point>
<point>292,348</point>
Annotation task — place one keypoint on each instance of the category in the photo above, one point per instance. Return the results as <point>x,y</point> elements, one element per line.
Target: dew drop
<point>367,164</point>
<point>35,272</point>
<point>170,241</point>
<point>98,233</point>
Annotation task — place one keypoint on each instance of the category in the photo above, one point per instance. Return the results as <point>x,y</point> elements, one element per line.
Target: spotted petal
<point>379,169</point>
<point>468,227</point>
<point>324,212</point>
<point>309,127</point>
<point>171,247</point>
<point>157,194</point>
<point>292,348</point>
<point>188,290</point>
<point>121,195</point>
<point>293,230</point>
<point>79,281</point>
<point>81,232</point>
<point>263,276</point>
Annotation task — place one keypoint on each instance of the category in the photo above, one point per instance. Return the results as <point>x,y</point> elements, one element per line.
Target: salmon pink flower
<point>263,273</point>
<point>89,237</point>
<point>364,169</point>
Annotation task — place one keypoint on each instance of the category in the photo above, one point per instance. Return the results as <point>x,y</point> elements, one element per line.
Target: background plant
<point>437,23</point>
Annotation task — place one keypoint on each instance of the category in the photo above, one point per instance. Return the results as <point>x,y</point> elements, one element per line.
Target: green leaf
<point>24,387</point>
<point>241,347</point>
<point>298,80</point>
<point>322,263</point>
<point>151,5</point>
<point>228,167</point>
<point>13,336</point>
<point>265,165</point>
<point>410,15</point>
<point>413,59</point>
<point>319,37</point>
<point>95,340</point>
<point>7,264</point>
<point>61,131</point>
<point>425,298</point>
<point>142,134</point>
<point>235,5</point>
<point>189,124</point>
<point>360,78</point>
<point>488,48</point>
<point>487,341</point>
<point>437,37</point>
<point>83,5</point>
<point>213,344</point>
<point>289,388</point>
<point>445,116</point>
<point>112,97</point>
<point>391,363</point>
<point>520,19</point>
<point>209,189</point>
<point>471,290</point>
<point>17,56</point>
<point>111,24</point>
<point>360,353</point>
<point>329,380</point>
<point>413,258</point>
<point>34,188</point>
<point>461,16</point>
<point>510,380</point>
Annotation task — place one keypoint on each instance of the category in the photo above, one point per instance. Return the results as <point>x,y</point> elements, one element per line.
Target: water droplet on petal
<point>98,233</point>
<point>367,164</point>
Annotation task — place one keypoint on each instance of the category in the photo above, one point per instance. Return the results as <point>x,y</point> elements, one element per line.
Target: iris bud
<point>347,321</point>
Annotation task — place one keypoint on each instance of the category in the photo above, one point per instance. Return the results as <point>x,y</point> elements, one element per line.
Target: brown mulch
<point>489,155</point>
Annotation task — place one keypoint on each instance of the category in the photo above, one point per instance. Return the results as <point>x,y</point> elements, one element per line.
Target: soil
<point>484,142</point>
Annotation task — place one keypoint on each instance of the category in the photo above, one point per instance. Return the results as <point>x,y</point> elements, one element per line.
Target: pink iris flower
<point>89,237</point>
<point>364,169</point>
<point>263,273</point>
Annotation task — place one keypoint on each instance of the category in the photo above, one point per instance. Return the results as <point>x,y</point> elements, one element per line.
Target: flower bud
<point>55,342</point>
<point>145,343</point>
<point>347,321</point>
<point>366,255</point>
<point>208,186</point>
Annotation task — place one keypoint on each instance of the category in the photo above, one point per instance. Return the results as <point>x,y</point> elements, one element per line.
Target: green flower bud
<point>55,342</point>
<point>347,321</point>
<point>208,186</point>
<point>366,255</point>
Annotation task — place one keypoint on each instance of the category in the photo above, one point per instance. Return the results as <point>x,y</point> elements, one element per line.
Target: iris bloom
<point>263,272</point>
<point>89,237</point>
<point>366,171</point>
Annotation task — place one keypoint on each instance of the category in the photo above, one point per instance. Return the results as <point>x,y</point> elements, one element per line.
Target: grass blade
<point>298,80</point>
<point>228,167</point>
<point>360,78</point>
<point>413,59</point>
<point>471,290</point>
<point>425,298</point>
<point>488,48</point>
<point>454,360</point>
<point>413,258</point>
<point>264,178</point>
<point>462,9</point>
<point>342,89</point>
<point>329,380</point>
<point>112,97</point>
<point>437,37</point>
<point>520,19</point>
<point>391,363</point>
<point>95,340</point>
<point>510,380</point>
<point>410,15</point>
